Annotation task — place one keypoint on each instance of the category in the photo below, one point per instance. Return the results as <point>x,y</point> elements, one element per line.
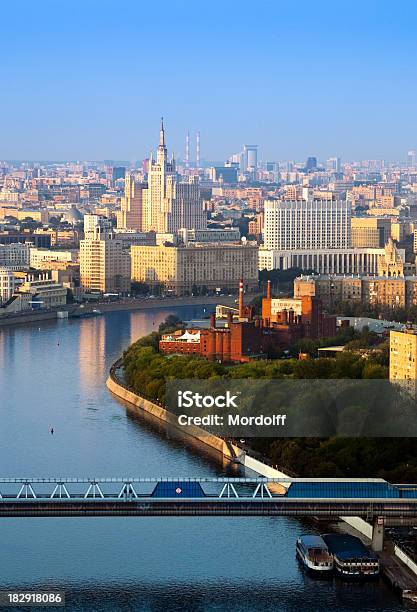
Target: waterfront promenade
<point>128,304</point>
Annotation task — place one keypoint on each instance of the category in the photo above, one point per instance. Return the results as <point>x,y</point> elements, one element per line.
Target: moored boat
<point>314,554</point>
<point>351,557</point>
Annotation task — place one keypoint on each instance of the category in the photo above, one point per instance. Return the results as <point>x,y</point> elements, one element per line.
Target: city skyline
<point>300,81</point>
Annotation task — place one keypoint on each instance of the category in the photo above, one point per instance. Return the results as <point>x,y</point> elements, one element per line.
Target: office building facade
<point>307,224</point>
<point>104,263</point>
<point>198,266</point>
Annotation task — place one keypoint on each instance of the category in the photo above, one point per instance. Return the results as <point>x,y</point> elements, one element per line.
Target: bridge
<point>372,499</point>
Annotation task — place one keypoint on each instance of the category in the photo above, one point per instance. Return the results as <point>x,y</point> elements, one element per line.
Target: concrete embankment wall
<point>228,451</point>
<point>261,468</point>
<point>169,418</point>
<point>359,524</point>
<point>149,304</point>
<point>405,559</point>
<point>6,321</point>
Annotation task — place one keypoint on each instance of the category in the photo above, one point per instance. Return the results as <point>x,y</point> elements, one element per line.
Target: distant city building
<point>39,257</point>
<point>372,232</point>
<point>403,359</point>
<point>73,215</point>
<point>209,235</point>
<point>10,195</point>
<point>7,284</point>
<point>311,163</point>
<point>224,174</point>
<point>38,238</point>
<point>169,204</point>
<point>46,237</point>
<point>411,159</point>
<point>322,261</point>
<point>14,256</point>
<point>371,290</point>
<point>104,262</point>
<point>392,262</point>
<point>131,214</point>
<point>118,172</point>
<point>401,229</point>
<point>131,236</point>
<point>41,215</point>
<point>92,223</point>
<point>256,226</point>
<point>333,164</point>
<point>250,157</point>
<point>196,267</point>
<point>43,290</point>
<point>307,224</point>
<point>393,286</point>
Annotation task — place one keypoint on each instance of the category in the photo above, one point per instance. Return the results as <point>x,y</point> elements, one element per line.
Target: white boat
<point>313,552</point>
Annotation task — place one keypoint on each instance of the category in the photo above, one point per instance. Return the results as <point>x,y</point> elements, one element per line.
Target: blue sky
<point>89,79</point>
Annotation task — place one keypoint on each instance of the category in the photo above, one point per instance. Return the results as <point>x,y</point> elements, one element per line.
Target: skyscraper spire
<point>161,155</point>
<point>162,134</point>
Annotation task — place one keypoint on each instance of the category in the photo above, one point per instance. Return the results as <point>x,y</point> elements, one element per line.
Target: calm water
<point>54,376</point>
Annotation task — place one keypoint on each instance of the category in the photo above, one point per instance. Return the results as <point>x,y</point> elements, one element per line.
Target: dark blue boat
<point>351,557</point>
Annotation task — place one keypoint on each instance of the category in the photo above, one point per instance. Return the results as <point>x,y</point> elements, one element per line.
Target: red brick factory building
<point>246,337</point>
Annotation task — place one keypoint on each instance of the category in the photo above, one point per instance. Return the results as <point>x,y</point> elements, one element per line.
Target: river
<point>54,376</point>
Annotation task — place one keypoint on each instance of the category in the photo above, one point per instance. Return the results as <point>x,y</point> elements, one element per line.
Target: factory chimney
<point>197,153</point>
<point>241,303</point>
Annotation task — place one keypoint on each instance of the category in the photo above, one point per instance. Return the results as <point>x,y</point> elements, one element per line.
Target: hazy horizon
<point>88,82</point>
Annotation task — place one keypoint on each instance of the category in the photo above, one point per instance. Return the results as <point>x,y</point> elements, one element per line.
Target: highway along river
<point>54,376</point>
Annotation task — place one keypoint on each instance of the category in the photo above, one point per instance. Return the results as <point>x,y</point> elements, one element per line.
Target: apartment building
<point>203,266</point>
<point>370,232</point>
<point>104,263</point>
<point>403,359</point>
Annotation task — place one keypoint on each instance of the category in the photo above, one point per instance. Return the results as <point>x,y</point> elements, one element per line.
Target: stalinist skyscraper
<point>169,205</point>
<point>131,211</point>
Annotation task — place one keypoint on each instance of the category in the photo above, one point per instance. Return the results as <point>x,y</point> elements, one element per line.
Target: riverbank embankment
<point>116,385</point>
<point>77,310</point>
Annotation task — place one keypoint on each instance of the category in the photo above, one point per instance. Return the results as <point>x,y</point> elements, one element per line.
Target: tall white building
<point>168,204</point>
<point>104,262</point>
<point>7,284</point>
<point>307,224</point>
<point>250,153</point>
<point>334,164</point>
